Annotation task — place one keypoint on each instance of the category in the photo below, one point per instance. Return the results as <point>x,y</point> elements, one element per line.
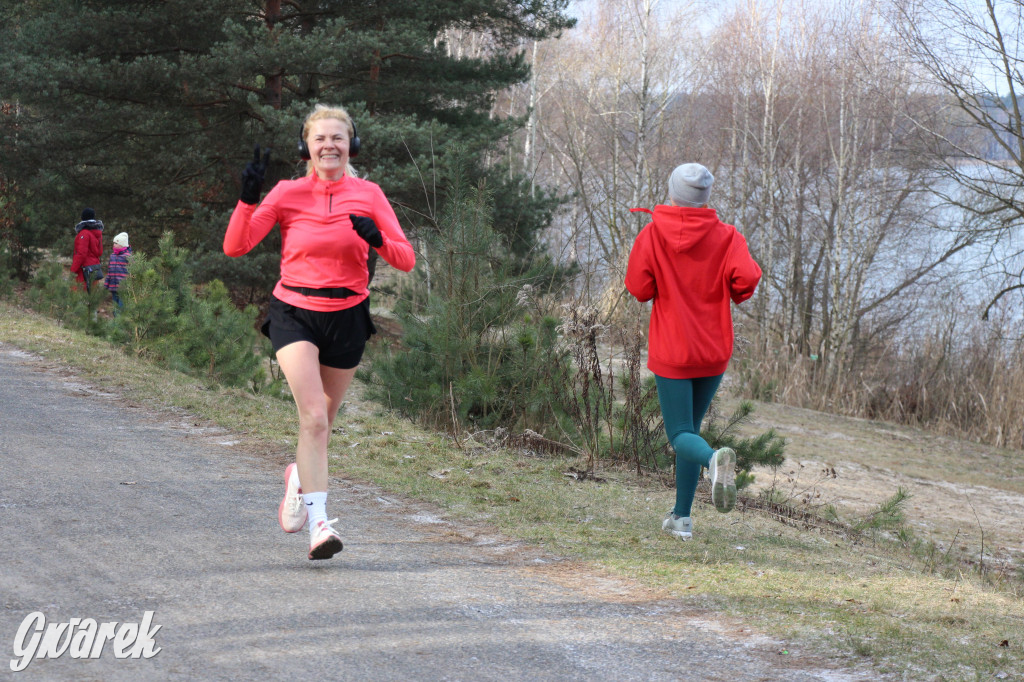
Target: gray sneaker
<point>680,526</point>
<point>722,470</point>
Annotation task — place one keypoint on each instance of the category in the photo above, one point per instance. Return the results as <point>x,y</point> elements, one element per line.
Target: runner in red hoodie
<point>691,264</point>
<point>319,318</point>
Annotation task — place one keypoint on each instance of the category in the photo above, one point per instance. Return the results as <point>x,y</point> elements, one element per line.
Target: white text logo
<point>82,638</point>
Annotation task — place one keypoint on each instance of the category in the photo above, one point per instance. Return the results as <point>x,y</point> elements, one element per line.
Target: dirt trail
<point>108,510</point>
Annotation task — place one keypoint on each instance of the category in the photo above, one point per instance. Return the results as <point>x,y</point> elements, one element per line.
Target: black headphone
<point>353,144</point>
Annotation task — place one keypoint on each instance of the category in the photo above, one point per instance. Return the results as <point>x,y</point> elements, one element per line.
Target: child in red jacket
<point>691,265</point>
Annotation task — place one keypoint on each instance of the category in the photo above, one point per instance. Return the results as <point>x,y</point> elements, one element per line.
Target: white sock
<point>295,478</point>
<point>316,508</point>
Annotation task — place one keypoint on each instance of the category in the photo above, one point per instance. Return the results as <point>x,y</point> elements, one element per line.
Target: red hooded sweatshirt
<point>691,264</point>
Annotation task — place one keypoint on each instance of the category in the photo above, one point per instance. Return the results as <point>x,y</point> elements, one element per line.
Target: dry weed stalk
<point>455,416</point>
<point>532,441</point>
<point>641,427</point>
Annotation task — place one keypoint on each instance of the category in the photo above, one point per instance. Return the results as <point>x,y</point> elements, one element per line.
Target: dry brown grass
<point>969,385</point>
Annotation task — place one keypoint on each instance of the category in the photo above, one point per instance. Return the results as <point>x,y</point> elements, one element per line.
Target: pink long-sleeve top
<point>319,247</point>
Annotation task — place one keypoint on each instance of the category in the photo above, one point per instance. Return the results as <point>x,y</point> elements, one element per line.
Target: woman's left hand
<point>367,230</point>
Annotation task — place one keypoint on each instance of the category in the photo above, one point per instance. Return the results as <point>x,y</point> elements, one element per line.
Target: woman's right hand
<point>367,230</point>
<point>252,176</point>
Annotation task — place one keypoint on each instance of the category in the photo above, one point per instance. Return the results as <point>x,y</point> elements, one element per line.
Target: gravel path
<point>108,511</point>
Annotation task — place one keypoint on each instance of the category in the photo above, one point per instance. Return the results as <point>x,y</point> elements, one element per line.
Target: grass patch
<point>859,600</point>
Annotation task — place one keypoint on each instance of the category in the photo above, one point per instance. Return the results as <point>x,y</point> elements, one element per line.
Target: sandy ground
<point>960,492</point>
<point>963,494</point>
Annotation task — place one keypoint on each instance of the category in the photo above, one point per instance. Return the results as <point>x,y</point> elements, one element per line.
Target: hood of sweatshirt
<point>88,225</point>
<point>681,228</point>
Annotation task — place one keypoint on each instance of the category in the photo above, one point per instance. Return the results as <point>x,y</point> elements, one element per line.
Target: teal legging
<point>683,405</point>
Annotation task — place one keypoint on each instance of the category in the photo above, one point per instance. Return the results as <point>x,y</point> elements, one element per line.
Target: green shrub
<point>890,515</point>
<point>195,330</point>
<point>218,339</point>
<point>471,353</point>
<point>148,321</point>
<point>53,293</point>
<point>765,449</point>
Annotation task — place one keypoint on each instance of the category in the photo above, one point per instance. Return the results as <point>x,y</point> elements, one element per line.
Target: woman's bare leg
<point>318,392</point>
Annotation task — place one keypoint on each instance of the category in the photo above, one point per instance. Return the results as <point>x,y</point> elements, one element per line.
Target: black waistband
<point>331,292</point>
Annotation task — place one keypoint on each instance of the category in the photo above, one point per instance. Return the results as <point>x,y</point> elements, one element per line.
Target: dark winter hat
<point>88,214</point>
<point>690,185</point>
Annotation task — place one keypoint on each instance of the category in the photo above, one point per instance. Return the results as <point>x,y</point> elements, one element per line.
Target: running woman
<point>691,264</point>
<point>319,316</point>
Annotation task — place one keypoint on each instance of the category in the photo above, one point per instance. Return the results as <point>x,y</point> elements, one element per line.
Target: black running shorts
<point>340,335</point>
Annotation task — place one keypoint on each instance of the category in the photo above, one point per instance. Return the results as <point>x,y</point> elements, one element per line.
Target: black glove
<point>367,229</point>
<point>252,177</point>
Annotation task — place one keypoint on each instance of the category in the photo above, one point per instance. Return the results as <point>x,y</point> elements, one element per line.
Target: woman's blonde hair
<point>320,112</point>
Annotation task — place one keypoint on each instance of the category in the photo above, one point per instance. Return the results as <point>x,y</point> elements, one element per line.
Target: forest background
<point>871,153</point>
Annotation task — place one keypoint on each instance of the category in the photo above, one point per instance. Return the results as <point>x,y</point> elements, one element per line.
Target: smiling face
<point>327,140</point>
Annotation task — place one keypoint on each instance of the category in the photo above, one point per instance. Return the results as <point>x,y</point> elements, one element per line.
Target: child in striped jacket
<point>117,268</point>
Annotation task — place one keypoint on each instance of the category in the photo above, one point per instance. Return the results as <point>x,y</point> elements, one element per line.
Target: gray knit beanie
<point>690,185</point>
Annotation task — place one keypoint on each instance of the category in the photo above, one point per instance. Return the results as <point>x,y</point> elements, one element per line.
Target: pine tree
<point>191,329</point>
<point>473,345</point>
<point>148,111</point>
<point>765,449</point>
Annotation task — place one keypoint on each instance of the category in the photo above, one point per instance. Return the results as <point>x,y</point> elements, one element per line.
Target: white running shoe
<point>291,513</point>
<point>722,470</point>
<point>680,526</point>
<point>324,541</point>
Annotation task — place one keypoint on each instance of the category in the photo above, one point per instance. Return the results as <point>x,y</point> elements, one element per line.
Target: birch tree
<point>819,173</point>
<point>971,61</point>
<point>606,133</point>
